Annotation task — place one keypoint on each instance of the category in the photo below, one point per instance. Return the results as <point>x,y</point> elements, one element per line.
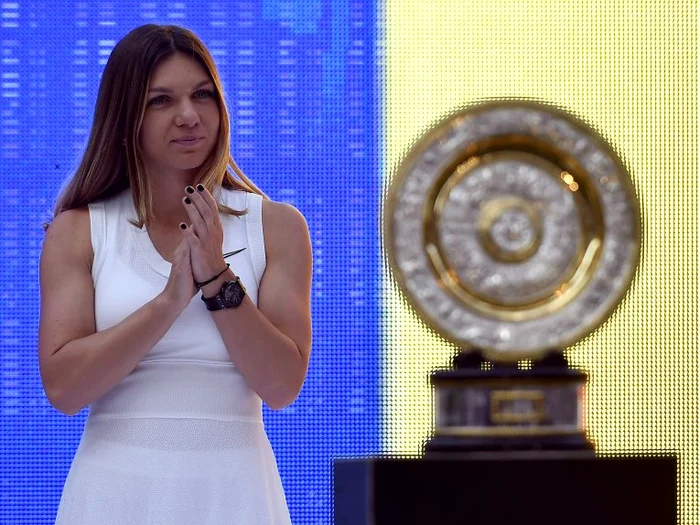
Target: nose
<point>186,114</point>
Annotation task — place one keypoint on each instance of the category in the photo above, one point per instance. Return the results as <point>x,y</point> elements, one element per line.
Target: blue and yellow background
<point>325,97</point>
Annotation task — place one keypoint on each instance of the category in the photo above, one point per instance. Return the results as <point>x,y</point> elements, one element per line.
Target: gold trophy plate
<point>512,227</point>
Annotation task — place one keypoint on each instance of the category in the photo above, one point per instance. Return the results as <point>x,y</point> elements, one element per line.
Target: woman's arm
<point>77,364</point>
<point>270,344</point>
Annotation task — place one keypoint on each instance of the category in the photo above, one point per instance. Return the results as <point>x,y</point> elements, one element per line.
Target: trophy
<point>513,230</point>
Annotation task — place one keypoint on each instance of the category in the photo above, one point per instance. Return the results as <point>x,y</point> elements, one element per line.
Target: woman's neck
<point>167,193</point>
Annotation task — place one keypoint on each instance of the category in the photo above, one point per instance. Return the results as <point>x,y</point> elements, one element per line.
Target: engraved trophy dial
<point>513,228</point>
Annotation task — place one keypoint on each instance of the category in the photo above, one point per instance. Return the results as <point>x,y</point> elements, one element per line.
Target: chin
<point>190,164</point>
<point>189,167</point>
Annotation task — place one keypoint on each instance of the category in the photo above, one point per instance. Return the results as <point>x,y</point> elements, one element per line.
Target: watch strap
<point>214,303</point>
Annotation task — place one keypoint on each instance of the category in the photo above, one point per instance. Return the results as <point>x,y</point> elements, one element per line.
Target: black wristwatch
<point>230,296</point>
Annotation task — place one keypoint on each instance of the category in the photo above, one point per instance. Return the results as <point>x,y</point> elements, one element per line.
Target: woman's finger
<point>202,207</point>
<point>198,222</point>
<point>208,199</point>
<point>182,261</point>
<point>190,242</point>
<point>190,239</point>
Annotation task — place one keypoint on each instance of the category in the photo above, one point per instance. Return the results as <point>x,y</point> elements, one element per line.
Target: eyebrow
<point>166,90</point>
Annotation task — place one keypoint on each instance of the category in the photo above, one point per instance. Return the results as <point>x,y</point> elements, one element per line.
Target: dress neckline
<point>145,245</point>
<point>154,259</point>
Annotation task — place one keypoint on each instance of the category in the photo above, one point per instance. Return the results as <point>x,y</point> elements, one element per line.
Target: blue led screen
<point>300,81</point>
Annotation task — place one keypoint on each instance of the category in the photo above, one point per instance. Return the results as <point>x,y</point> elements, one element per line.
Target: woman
<point>174,298</point>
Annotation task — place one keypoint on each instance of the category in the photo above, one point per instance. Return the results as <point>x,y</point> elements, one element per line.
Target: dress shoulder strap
<point>255,234</point>
<point>104,219</point>
<point>98,236</point>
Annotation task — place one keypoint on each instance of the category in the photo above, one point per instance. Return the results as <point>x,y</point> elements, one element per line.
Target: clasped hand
<point>205,235</point>
<point>198,257</point>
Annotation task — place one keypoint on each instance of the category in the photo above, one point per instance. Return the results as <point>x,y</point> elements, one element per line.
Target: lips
<point>188,140</point>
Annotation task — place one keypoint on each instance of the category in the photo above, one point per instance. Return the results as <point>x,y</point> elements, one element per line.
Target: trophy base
<point>553,447</point>
<point>570,490</point>
<point>495,408</point>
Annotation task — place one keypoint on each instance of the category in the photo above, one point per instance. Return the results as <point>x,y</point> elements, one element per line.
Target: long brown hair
<point>111,162</point>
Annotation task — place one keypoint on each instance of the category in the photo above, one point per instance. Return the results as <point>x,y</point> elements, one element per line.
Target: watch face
<point>232,294</point>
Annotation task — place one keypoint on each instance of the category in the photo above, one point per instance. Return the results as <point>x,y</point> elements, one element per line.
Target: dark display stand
<point>556,490</point>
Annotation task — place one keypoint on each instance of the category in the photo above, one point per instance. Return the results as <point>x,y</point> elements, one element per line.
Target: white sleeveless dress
<point>179,441</point>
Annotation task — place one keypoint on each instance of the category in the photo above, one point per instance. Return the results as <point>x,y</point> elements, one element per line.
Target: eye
<point>158,101</point>
<point>202,94</point>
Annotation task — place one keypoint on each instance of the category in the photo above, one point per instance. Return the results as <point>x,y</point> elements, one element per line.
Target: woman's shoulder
<point>69,233</point>
<point>284,225</point>
<point>74,225</point>
<point>75,218</point>
<point>276,216</point>
<point>80,216</point>
<point>282,213</point>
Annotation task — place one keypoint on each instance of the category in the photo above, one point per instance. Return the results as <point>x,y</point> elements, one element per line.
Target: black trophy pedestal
<point>554,491</point>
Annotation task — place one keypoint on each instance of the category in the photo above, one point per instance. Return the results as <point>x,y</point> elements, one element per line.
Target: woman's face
<point>181,120</point>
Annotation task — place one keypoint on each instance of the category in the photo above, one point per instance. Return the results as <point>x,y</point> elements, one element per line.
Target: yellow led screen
<point>628,68</point>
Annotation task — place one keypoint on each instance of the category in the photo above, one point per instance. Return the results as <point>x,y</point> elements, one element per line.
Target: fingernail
<point>187,200</point>
<point>189,189</point>
<point>200,187</point>
<point>183,226</point>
